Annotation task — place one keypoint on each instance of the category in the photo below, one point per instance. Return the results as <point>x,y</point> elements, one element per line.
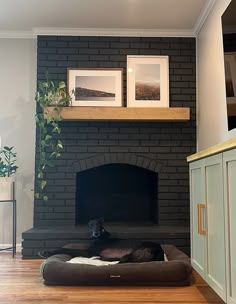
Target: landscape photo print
<point>95,87</point>
<point>148,81</point>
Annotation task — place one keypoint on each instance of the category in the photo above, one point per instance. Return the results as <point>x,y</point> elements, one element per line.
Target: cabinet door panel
<point>230,212</point>
<point>197,197</point>
<point>215,270</point>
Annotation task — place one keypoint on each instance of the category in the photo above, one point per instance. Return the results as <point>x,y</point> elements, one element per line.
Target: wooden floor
<point>21,283</point>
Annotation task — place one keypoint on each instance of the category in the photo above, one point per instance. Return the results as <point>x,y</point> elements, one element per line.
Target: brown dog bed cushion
<point>176,272</point>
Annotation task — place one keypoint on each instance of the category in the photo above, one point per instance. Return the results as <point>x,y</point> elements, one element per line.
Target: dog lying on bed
<point>110,249</point>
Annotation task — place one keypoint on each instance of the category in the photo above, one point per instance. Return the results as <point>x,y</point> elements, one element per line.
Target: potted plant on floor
<point>7,169</point>
<point>49,95</point>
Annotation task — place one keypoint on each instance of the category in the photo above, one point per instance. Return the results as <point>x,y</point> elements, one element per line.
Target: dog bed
<point>174,272</point>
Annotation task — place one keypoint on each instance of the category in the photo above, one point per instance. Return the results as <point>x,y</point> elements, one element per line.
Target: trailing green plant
<point>7,162</point>
<point>49,94</point>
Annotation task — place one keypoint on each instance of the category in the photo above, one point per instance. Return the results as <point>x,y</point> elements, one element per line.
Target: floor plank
<point>21,283</point>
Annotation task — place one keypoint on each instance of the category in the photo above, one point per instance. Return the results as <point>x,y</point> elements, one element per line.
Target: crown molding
<point>203,16</point>
<point>112,32</point>
<point>32,34</point>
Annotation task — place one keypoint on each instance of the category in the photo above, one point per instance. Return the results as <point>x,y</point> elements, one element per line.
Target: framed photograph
<point>95,87</point>
<point>230,77</point>
<point>147,81</point>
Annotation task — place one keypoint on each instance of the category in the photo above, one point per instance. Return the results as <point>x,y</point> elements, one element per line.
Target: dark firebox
<point>120,193</point>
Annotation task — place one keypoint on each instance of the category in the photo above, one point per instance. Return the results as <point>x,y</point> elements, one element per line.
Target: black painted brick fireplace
<point>157,147</point>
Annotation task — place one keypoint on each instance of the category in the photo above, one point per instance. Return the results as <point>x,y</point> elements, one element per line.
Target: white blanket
<point>96,261</point>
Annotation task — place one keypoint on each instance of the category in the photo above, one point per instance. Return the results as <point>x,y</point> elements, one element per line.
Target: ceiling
<point>29,18</point>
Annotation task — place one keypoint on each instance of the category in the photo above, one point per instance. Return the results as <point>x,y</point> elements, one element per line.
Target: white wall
<point>17,127</point>
<point>212,127</point>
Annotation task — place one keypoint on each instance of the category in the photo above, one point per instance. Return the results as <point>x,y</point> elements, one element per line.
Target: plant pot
<point>6,188</point>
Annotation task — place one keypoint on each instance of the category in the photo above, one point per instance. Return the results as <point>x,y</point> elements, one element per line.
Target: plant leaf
<point>43,184</point>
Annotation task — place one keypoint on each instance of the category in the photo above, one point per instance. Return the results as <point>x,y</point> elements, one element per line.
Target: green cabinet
<point>229,168</point>
<point>208,251</point>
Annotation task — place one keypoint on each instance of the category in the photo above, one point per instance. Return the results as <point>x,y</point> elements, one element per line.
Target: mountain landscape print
<point>147,82</point>
<point>95,88</point>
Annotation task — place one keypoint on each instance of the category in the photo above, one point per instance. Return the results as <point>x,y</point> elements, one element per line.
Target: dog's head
<point>97,229</point>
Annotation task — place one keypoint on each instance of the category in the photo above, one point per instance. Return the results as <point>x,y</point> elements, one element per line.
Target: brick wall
<point>158,146</point>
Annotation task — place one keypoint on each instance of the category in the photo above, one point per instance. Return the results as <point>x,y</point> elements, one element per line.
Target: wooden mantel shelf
<point>123,114</point>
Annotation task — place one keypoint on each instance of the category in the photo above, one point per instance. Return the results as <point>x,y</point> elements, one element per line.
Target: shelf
<point>123,114</point>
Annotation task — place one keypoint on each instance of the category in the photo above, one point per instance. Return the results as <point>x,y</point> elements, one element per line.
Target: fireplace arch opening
<point>121,193</point>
